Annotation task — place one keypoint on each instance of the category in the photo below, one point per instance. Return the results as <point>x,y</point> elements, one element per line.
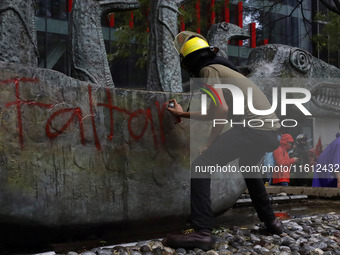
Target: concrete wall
<point>75,153</point>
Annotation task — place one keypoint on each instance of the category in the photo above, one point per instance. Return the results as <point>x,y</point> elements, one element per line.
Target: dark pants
<point>281,184</point>
<point>247,144</point>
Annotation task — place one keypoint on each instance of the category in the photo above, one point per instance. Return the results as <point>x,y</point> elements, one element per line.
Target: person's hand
<point>296,159</point>
<point>176,110</point>
<point>203,149</point>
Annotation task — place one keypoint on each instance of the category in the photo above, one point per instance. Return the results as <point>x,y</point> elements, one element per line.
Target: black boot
<point>274,227</point>
<point>199,239</point>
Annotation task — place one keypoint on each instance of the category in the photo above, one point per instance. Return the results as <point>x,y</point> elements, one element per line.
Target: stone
<point>18,37</point>
<point>198,250</point>
<point>255,228</point>
<point>211,252</point>
<point>277,239</point>
<point>157,251</point>
<point>247,244</point>
<point>301,240</point>
<point>145,248</point>
<point>254,238</point>
<point>123,252</point>
<point>287,241</point>
<point>306,249</point>
<point>223,32</point>
<point>286,61</point>
<point>164,63</point>
<point>320,245</point>
<point>328,253</point>
<point>294,247</point>
<point>141,243</point>
<point>224,252</point>
<point>259,249</point>
<point>316,252</point>
<point>104,252</point>
<point>148,253</point>
<point>227,236</point>
<point>285,248</point>
<point>135,253</point>
<point>169,250</point>
<point>87,253</point>
<point>89,57</point>
<point>155,244</point>
<point>181,250</point>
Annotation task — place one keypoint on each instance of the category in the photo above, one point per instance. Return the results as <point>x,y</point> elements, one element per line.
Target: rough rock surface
<point>75,153</point>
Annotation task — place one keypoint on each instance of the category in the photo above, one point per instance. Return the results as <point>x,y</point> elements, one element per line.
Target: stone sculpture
<point>164,71</point>
<point>219,35</point>
<point>18,40</point>
<point>74,153</point>
<point>103,137</point>
<point>89,58</point>
<point>282,61</point>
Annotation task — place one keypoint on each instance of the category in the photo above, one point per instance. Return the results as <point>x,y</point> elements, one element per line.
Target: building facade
<point>267,22</point>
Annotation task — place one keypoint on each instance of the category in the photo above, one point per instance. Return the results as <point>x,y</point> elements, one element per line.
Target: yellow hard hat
<point>187,42</point>
<point>192,45</point>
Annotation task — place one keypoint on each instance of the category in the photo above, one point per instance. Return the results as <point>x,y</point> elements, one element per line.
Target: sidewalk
<point>311,192</point>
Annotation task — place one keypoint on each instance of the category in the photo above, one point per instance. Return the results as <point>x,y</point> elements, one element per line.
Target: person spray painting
<point>244,143</point>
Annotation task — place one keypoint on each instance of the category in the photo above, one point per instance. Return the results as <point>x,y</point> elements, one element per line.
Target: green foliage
<point>102,243</point>
<point>329,36</point>
<point>128,42</point>
<point>132,41</point>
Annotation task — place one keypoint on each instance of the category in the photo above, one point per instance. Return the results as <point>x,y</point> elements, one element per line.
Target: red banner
<point>252,29</point>
<point>240,19</point>
<point>131,22</point>
<point>318,148</point>
<point>182,21</point>
<point>70,3</point>
<point>226,11</point>
<point>198,15</point>
<point>112,19</point>
<point>212,12</point>
<point>240,14</point>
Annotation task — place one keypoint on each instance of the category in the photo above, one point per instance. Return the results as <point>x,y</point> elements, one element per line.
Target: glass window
<point>41,47</point>
<point>59,9</point>
<point>126,73</point>
<point>43,8</point>
<point>52,51</point>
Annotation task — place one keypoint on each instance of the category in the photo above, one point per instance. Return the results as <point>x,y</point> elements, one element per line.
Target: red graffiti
<point>18,102</point>
<point>75,114</point>
<point>138,113</point>
<point>147,118</point>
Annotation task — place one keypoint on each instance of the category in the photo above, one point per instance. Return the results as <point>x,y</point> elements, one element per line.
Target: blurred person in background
<point>283,163</point>
<point>327,167</point>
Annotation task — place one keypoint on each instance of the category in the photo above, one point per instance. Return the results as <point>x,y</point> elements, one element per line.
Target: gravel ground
<point>318,234</point>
